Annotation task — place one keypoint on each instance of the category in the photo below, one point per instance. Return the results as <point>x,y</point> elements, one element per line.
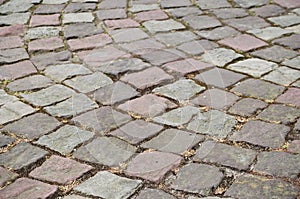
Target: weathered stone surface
<point>174,141</point>
<point>213,4</point>
<point>74,197</point>
<point>102,119</point>
<point>142,46</point>
<point>154,26</point>
<point>147,78</point>
<point>269,33</point>
<point>247,107</point>
<point>285,20</point>
<point>197,178</point>
<point>42,32</point>
<point>227,13</point>
<point>184,11</point>
<point>80,7</point>
<point>30,83</point>
<point>275,53</point>
<point>180,90</point>
<point>288,3</point>
<point>289,41</point>
<point>33,126</point>
<point>12,30</point>
<point>268,10</point>
<point>64,71</point>
<point>12,55</point>
<point>247,23</point>
<point>177,117</point>
<point>5,140</point>
<point>213,152</point>
<point>262,133</point>
<point>151,15</point>
<point>162,56</point>
<point>290,97</point>
<point>148,105</point>
<point>107,151</point>
<point>154,193</point>
<point>152,166</point>
<point>259,187</point>
<point>81,30</point>
<point>44,20</point>
<point>197,47</point>
<point>77,17</point>
<point>171,4</point>
<point>48,95</point>
<point>294,146</point>
<point>283,75</point>
<point>279,113</point>
<point>218,33</point>
<point>88,83</point>
<point>214,123</point>
<point>187,66</point>
<point>49,8</point>
<point>258,89</point>
<point>219,77</point>
<point>14,71</point>
<point>201,22</point>
<point>65,139</point>
<point>175,38</point>
<point>220,56</point>
<point>41,61</point>
<point>253,66</point>
<point>15,6</point>
<point>114,93</point>
<point>278,164</point>
<point>25,187</point>
<point>26,155</point>
<point>10,42</point>
<point>101,185</point>
<point>143,7</point>
<point>107,4</point>
<point>6,175</point>
<point>136,131</point>
<point>294,63</point>
<point>128,35</point>
<point>121,23</point>
<point>89,42</point>
<point>248,4</point>
<point>15,18</point>
<point>243,42</point>
<point>111,14</point>
<point>60,170</point>
<point>14,110</point>
<point>211,98</point>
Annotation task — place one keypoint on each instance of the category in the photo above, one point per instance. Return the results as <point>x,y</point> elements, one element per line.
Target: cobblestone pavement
<point>149,99</point>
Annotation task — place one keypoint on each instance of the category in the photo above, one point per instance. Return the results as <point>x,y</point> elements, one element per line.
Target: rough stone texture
<point>288,3</point>
<point>285,20</point>
<point>197,178</point>
<point>201,22</point>
<point>294,63</point>
<point>294,146</point>
<point>64,71</point>
<point>136,131</point>
<point>89,42</point>
<point>212,4</point>
<point>187,66</point>
<point>88,83</point>
<point>121,23</point>
<point>258,89</point>
<point>142,46</point>
<point>268,10</point>
<point>279,113</point>
<point>287,165</point>
<point>48,44</point>
<point>33,126</point>
<point>148,105</point>
<point>81,30</point>
<point>154,26</point>
<point>102,119</point>
<point>147,78</point>
<point>253,66</point>
<point>247,4</point>
<point>213,152</point>
<point>114,93</point>
<point>73,106</point>
<point>219,77</point>
<point>184,11</point>
<point>211,98</point>
<point>283,75</point>
<point>180,90</point>
<point>15,18</point>
<point>152,166</point>
<point>105,151</point>
<point>12,55</point>
<point>42,32</point>
<point>77,17</point>
<point>24,188</point>
<point>218,33</point>
<point>30,83</point>
<point>48,95</point>
<point>170,3</point>
<point>6,175</point>
<point>259,187</point>
<point>17,70</point>
<point>227,13</point>
<point>65,139</point>
<point>197,47</point>
<point>41,61</point>
<point>5,140</point>
<point>290,97</point>
<point>60,170</point>
<point>243,42</point>
<point>176,38</point>
<point>151,15</point>
<point>262,133</point>
<point>247,23</point>
<point>160,57</point>
<point>154,193</point>
<point>275,53</point>
<point>44,20</point>
<point>174,141</point>
<point>26,155</point>
<point>247,107</point>
<point>15,6</point>
<point>10,42</point>
<point>269,33</point>
<point>111,14</point>
<point>220,56</point>
<point>101,185</point>
<point>128,35</point>
<point>214,123</point>
<point>290,41</point>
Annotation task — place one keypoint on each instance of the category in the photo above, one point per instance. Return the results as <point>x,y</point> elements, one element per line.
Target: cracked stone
<point>65,139</point>
<point>107,151</point>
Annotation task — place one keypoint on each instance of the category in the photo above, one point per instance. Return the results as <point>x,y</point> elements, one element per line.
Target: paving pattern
<point>142,99</point>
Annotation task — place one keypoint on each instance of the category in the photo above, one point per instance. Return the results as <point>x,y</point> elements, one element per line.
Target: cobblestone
<point>220,56</point>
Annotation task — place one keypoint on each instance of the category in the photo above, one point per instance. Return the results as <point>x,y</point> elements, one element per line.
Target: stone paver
<point>262,133</point>
<point>101,183</point>
<point>260,187</point>
<point>149,99</point>
<point>174,141</point>
<point>152,166</point>
<point>214,123</point>
<point>197,178</point>
<point>60,170</point>
<point>213,152</point>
